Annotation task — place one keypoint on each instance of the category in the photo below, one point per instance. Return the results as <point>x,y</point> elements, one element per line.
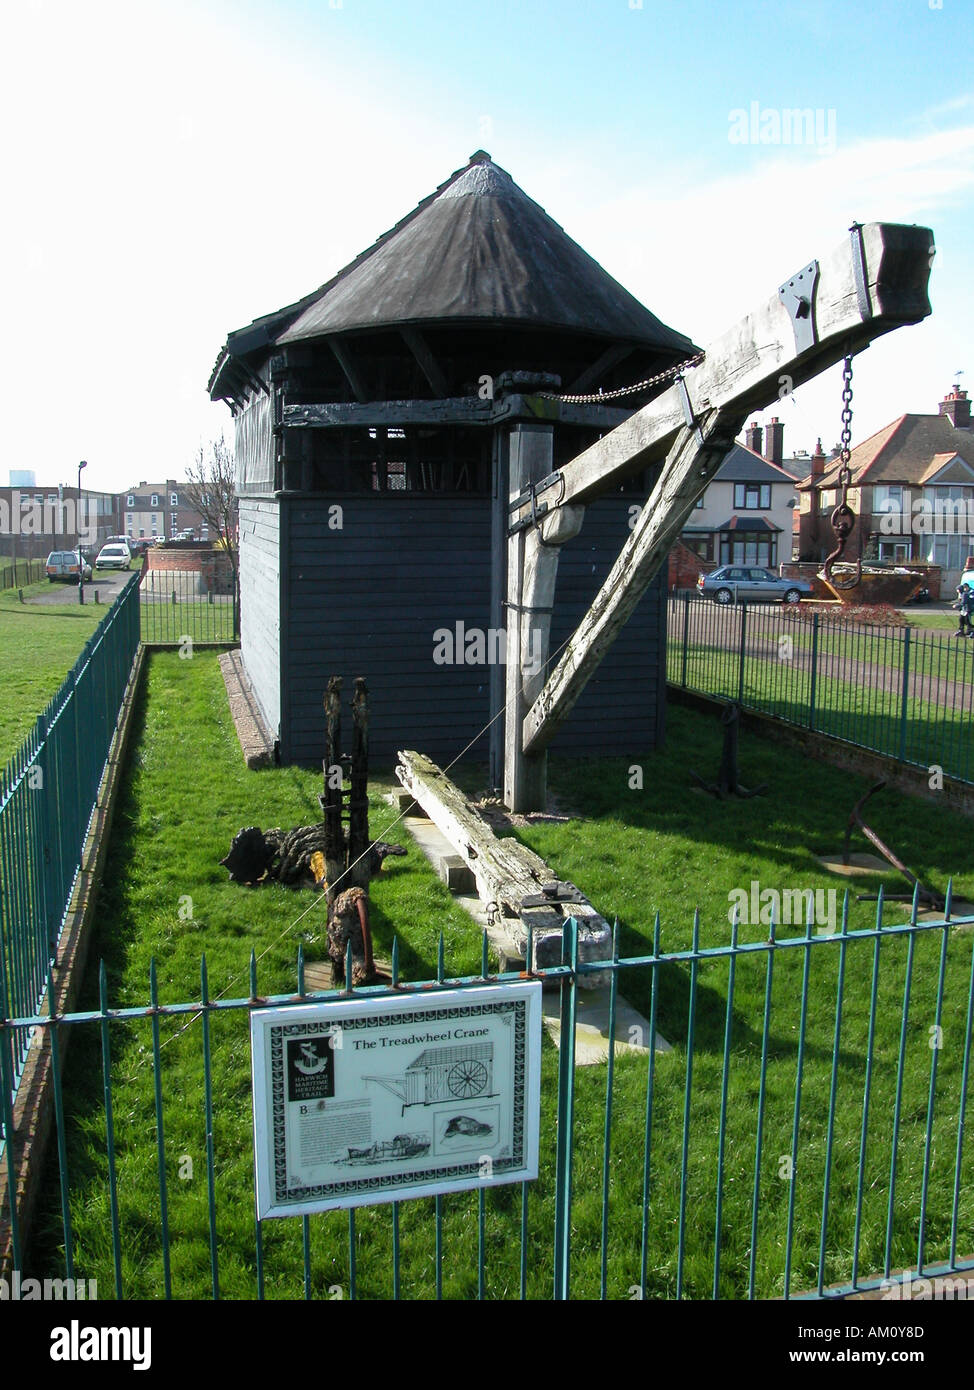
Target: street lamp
<point>81,558</point>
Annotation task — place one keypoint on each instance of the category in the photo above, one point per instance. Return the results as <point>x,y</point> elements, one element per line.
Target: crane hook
<point>843,521</point>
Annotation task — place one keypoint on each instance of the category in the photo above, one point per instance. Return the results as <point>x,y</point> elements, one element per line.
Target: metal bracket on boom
<point>530,497</point>
<point>798,297</point>
<point>560,891</point>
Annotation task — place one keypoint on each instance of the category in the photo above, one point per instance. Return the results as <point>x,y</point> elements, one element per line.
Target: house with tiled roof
<point>745,514</point>
<point>912,486</point>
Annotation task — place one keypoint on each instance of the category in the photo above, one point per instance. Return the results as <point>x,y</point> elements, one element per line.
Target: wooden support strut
<point>694,422</point>
<point>532,568</point>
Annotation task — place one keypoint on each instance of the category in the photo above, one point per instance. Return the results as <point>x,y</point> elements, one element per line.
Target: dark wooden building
<point>374,421</point>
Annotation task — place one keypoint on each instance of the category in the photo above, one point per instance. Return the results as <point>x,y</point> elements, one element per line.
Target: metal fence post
<point>740,673</point>
<point>906,691</point>
<point>566,1112</point>
<point>43,763</point>
<point>811,693</point>
<point>686,637</point>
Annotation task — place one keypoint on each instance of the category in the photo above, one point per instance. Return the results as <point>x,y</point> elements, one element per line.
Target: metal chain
<point>599,397</point>
<point>845,472</point>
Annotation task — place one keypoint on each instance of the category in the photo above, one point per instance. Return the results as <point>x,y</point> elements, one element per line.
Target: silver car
<point>749,584</point>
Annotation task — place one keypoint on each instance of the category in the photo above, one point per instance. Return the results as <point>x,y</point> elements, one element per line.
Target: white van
<point>114,556</point>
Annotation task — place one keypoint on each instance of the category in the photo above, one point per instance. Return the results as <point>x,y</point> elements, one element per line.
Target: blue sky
<point>174,170</point>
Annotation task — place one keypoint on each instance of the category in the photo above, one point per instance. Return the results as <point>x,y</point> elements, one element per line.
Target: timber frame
<point>872,283</point>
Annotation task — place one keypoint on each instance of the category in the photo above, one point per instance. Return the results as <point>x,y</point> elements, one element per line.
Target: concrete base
<point>592,1027</point>
<point>859,864</point>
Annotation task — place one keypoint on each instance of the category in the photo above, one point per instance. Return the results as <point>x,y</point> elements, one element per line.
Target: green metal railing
<point>899,691</point>
<point>180,609</point>
<point>48,792</point>
<point>849,1177</point>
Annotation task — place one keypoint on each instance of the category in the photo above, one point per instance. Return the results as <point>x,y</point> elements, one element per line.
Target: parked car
<point>67,565</point>
<point>114,556</point>
<point>734,583</point>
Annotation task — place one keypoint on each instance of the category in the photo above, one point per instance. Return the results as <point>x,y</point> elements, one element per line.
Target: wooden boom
<point>875,281</point>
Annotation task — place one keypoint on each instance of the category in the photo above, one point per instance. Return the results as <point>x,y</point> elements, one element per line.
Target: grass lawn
<point>636,851</point>
<point>205,620</point>
<point>937,731</point>
<point>38,647</point>
<point>937,622</point>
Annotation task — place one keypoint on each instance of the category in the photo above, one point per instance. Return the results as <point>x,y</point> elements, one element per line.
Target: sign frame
<point>361,1100</point>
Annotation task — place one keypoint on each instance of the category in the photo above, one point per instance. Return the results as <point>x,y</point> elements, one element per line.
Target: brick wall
<point>685,567</point>
<point>212,566</point>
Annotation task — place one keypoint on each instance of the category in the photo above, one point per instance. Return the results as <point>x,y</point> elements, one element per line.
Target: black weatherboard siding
<point>369,598</point>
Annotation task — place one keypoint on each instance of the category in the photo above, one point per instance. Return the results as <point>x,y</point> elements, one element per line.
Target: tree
<point>211,491</point>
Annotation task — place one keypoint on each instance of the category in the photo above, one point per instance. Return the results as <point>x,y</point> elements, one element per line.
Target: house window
<point>749,548</point>
<point>130,501</point>
<point>700,545</point>
<point>155,500</point>
<point>129,519</point>
<point>752,496</point>
<point>174,499</point>
<point>172,522</point>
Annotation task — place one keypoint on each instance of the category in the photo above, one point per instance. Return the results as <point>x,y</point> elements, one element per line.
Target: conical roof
<point>480,249</point>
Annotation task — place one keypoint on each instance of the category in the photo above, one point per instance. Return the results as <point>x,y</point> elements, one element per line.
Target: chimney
<point>818,459</point>
<point>752,436</point>
<point>957,408</point>
<point>774,442</point>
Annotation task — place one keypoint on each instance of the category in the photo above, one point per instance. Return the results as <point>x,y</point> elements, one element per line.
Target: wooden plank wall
<point>366,599</point>
<point>260,602</point>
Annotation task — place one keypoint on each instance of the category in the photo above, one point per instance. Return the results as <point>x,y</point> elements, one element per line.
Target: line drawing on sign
<point>443,1074</point>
